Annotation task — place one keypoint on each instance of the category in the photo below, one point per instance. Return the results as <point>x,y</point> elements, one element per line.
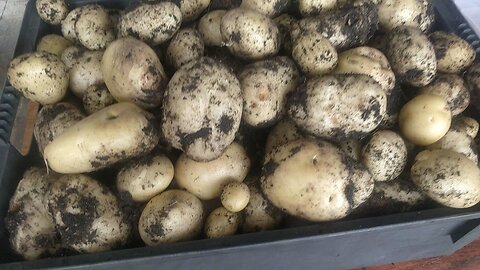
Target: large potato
<point>209,27</point>
<point>52,11</point>
<point>133,72</point>
<point>186,46</point>
<point>93,27</point>
<point>87,71</point>
<point>269,8</point>
<point>314,180</point>
<point>202,109</point>
<point>414,13</point>
<point>39,76</point>
<point>115,133</point>
<point>314,54</point>
<point>453,53</point>
<point>54,44</point>
<point>332,107</point>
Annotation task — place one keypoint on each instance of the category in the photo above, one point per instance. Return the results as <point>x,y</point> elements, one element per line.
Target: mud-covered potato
<point>452,88</point>
<point>235,196</point>
<point>314,180</point>
<point>221,222</point>
<point>93,27</point>
<point>153,23</point>
<point>447,177</point>
<point>414,13</point>
<point>260,214</point>
<point>314,54</point>
<point>285,23</point>
<point>187,45</point>
<point>385,155</point>
<point>351,147</point>
<point>209,27</point>
<point>68,24</point>
<point>269,8</point>
<point>191,9</point>
<point>315,7</point>
<point>39,76</point>
<point>86,71</point>
<point>283,132</point>
<point>249,34</point>
<point>202,109</point>
<point>265,85</point>
<point>453,53</point>
<point>52,11</point>
<point>116,133</point>
<point>172,216</point>
<point>71,54</point>
<point>96,97</point>
<point>395,101</point>
<point>332,107</point>
<point>412,56</point>
<point>133,72</point>
<point>54,44</point>
<point>207,179</point>
<point>53,120</point>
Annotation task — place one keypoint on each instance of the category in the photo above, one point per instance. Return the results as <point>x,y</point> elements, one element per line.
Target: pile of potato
<point>173,121</point>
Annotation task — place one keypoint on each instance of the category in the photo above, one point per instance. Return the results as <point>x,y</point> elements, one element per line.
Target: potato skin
<point>447,177</point>
<point>52,11</point>
<point>115,133</point>
<point>186,46</point>
<point>329,106</point>
<point>209,27</point>
<point>85,72</point>
<point>39,76</point>
<point>270,8</point>
<point>201,87</point>
<point>314,54</point>
<point>260,214</point>
<point>68,24</point>
<point>283,132</point>
<point>453,53</point>
<point>221,222</point>
<point>315,7</point>
<point>71,54</point>
<point>235,196</point>
<point>414,13</point>
<point>93,27</point>
<point>191,9</point>
<point>97,97</point>
<point>54,44</point>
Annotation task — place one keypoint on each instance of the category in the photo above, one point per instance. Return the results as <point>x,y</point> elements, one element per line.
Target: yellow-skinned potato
<point>414,13</point>
<point>314,54</point>
<point>235,196</point>
<point>54,44</point>
<point>283,132</point>
<point>115,133</point>
<point>453,53</point>
<point>221,222</point>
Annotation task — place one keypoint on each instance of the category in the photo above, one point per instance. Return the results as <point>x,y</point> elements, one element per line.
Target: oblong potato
<point>453,53</point>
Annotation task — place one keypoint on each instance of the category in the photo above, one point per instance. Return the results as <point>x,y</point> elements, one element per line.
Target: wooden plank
<point>22,131</point>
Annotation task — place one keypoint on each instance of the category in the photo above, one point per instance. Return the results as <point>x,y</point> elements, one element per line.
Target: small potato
<point>285,24</point>
<point>453,53</point>
<point>87,71</point>
<point>207,179</point>
<point>316,7</point>
<point>265,85</point>
<point>447,177</point>
<point>71,54</point>
<point>452,88</point>
<point>412,56</point>
<point>93,27</point>
<point>174,215</point>
<point>414,13</point>
<point>385,155</point>
<point>249,34</point>
<point>152,23</point>
<point>187,45</point>
<point>283,132</point>
<point>68,24</point>
<point>116,133</point>
<point>53,120</point>
<point>221,222</point>
<point>425,119</point>
<point>146,177</point>
<point>53,44</point>
<point>97,97</point>
<point>314,54</point>
<point>472,78</point>
<point>260,214</point>
<point>52,11</point>
<point>270,8</point>
<point>209,27</point>
<point>39,76</point>
<point>351,147</point>
<point>235,196</point>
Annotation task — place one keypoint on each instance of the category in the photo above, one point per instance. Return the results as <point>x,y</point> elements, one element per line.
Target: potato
<point>315,7</point>
<point>187,45</point>
<point>285,23</point>
<point>414,13</point>
<point>221,222</point>
<point>472,79</point>
<point>93,27</point>
<point>191,9</point>
<point>39,76</point>
<point>146,177</point>
<point>332,107</point>
<point>466,125</point>
<point>209,27</point>
<point>314,180</point>
<point>87,215</point>
<point>174,215</point>
<point>97,97</point>
<point>152,23</point>
<point>53,44</point>
<point>265,85</point>
<point>453,53</point>
<point>250,35</point>
<point>452,88</point>
<point>269,8</point>
<point>133,72</point>
<point>283,132</point>
<point>412,56</point>
<point>385,155</point>
<point>116,133</point>
<point>202,109</point>
<point>235,196</point>
<point>31,229</point>
<point>425,119</point>
<point>207,179</point>
<point>368,61</point>
<point>447,177</point>
<point>351,147</point>
<point>87,71</point>
<point>68,24</point>
<point>53,120</point>
<point>71,54</point>
<point>314,54</point>
<point>52,11</point>
<point>260,214</point>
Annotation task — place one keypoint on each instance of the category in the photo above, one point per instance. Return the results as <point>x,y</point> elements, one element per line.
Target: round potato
<point>249,34</point>
<point>351,147</point>
<point>53,44</point>
<point>209,27</point>
<point>87,71</point>
<point>146,177</point>
<point>207,179</point>
<point>314,54</point>
<point>447,177</point>
<point>412,56</point>
<point>425,119</point>
<point>97,97</point>
<point>283,132</point>
<point>52,11</point>
<point>453,53</point>
<point>133,72</point>
<point>221,222</point>
<point>187,45</point>
<point>315,7</point>
<point>71,54</point>
<point>235,196</point>
<point>269,8</point>
<point>93,27</point>
<point>265,85</point>
<point>173,216</point>
<point>414,13</point>
<point>202,109</point>
<point>39,76</point>
<point>314,180</point>
<point>260,214</point>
